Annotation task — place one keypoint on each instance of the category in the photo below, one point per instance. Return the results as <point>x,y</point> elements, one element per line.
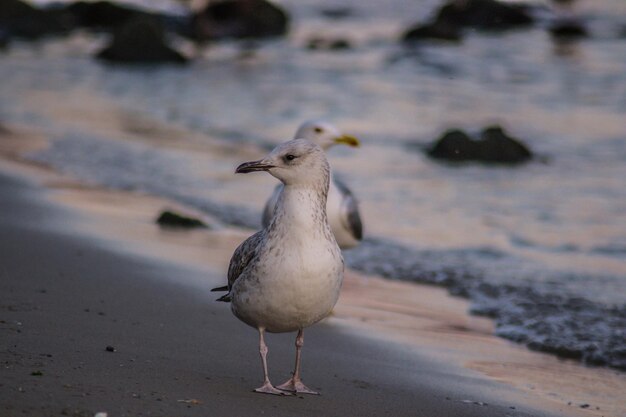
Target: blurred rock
<point>336,44</point>
<point>239,19</point>
<point>171,219</point>
<point>484,14</point>
<point>5,38</point>
<point>454,145</point>
<point>22,20</point>
<point>456,15</point>
<point>497,146</point>
<point>141,40</point>
<point>103,15</point>
<point>568,28</point>
<point>494,146</point>
<point>437,30</point>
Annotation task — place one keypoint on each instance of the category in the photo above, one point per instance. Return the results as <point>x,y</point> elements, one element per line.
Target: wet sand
<point>87,268</point>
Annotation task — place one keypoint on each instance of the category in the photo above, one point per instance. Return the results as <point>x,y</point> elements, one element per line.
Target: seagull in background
<point>342,207</point>
<point>287,276</point>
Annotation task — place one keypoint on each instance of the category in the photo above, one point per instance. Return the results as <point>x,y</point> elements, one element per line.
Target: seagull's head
<point>298,161</point>
<point>324,134</point>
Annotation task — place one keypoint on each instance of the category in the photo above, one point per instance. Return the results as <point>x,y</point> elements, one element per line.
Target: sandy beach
<point>86,268</point>
<point>490,277</point>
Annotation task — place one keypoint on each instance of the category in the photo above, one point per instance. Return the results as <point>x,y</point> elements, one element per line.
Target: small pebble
<point>110,348</point>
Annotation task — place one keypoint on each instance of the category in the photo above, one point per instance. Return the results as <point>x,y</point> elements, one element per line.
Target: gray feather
<point>350,217</point>
<point>241,258</point>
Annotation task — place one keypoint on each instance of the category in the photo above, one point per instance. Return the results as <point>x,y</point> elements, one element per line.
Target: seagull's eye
<point>318,130</point>
<point>290,157</point>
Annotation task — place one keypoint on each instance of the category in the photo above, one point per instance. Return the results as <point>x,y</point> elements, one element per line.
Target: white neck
<point>301,207</point>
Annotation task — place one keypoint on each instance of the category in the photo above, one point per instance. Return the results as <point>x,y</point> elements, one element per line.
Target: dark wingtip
<point>216,289</point>
<point>224,298</point>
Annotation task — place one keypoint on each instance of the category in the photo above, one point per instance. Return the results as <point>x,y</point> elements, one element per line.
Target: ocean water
<point>540,247</point>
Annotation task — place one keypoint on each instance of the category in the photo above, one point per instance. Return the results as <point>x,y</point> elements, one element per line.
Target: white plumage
<point>342,208</point>
<point>288,276</point>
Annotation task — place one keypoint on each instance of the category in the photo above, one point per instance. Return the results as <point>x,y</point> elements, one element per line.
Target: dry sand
<point>391,347</point>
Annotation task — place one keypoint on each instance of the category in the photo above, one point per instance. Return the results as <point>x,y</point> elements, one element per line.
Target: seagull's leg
<point>294,383</point>
<point>267,387</point>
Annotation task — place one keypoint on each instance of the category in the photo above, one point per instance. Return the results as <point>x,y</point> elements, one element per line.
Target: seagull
<point>342,206</point>
<point>287,276</point>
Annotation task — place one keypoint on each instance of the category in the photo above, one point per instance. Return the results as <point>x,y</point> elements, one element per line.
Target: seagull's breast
<point>294,283</point>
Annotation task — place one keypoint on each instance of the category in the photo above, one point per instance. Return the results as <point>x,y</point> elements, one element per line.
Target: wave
<point>538,313</point>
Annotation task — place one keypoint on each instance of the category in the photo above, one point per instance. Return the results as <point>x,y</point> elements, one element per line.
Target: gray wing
<point>350,217</point>
<point>270,206</point>
<point>241,258</point>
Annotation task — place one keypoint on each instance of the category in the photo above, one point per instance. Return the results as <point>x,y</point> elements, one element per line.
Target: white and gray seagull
<point>287,276</point>
<point>342,207</point>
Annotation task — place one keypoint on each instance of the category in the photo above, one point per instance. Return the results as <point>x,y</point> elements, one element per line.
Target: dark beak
<point>253,166</point>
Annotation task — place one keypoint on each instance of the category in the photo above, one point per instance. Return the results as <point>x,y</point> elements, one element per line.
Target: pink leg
<point>267,387</point>
<point>294,384</point>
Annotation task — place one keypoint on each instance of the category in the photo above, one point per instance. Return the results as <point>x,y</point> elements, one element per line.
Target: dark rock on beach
<point>170,219</point>
<point>239,19</point>
<point>5,39</point>
<point>141,41</point>
<point>568,28</point>
<point>484,14</point>
<point>22,20</point>
<point>454,145</point>
<point>103,15</point>
<point>498,146</point>
<point>218,20</point>
<point>456,15</point>
<point>494,146</point>
<point>436,30</point>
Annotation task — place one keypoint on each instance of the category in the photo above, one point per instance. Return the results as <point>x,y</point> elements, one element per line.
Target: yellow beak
<point>347,140</point>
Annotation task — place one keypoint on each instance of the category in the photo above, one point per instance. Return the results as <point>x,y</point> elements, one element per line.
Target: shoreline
<point>90,327</point>
<point>414,316</point>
